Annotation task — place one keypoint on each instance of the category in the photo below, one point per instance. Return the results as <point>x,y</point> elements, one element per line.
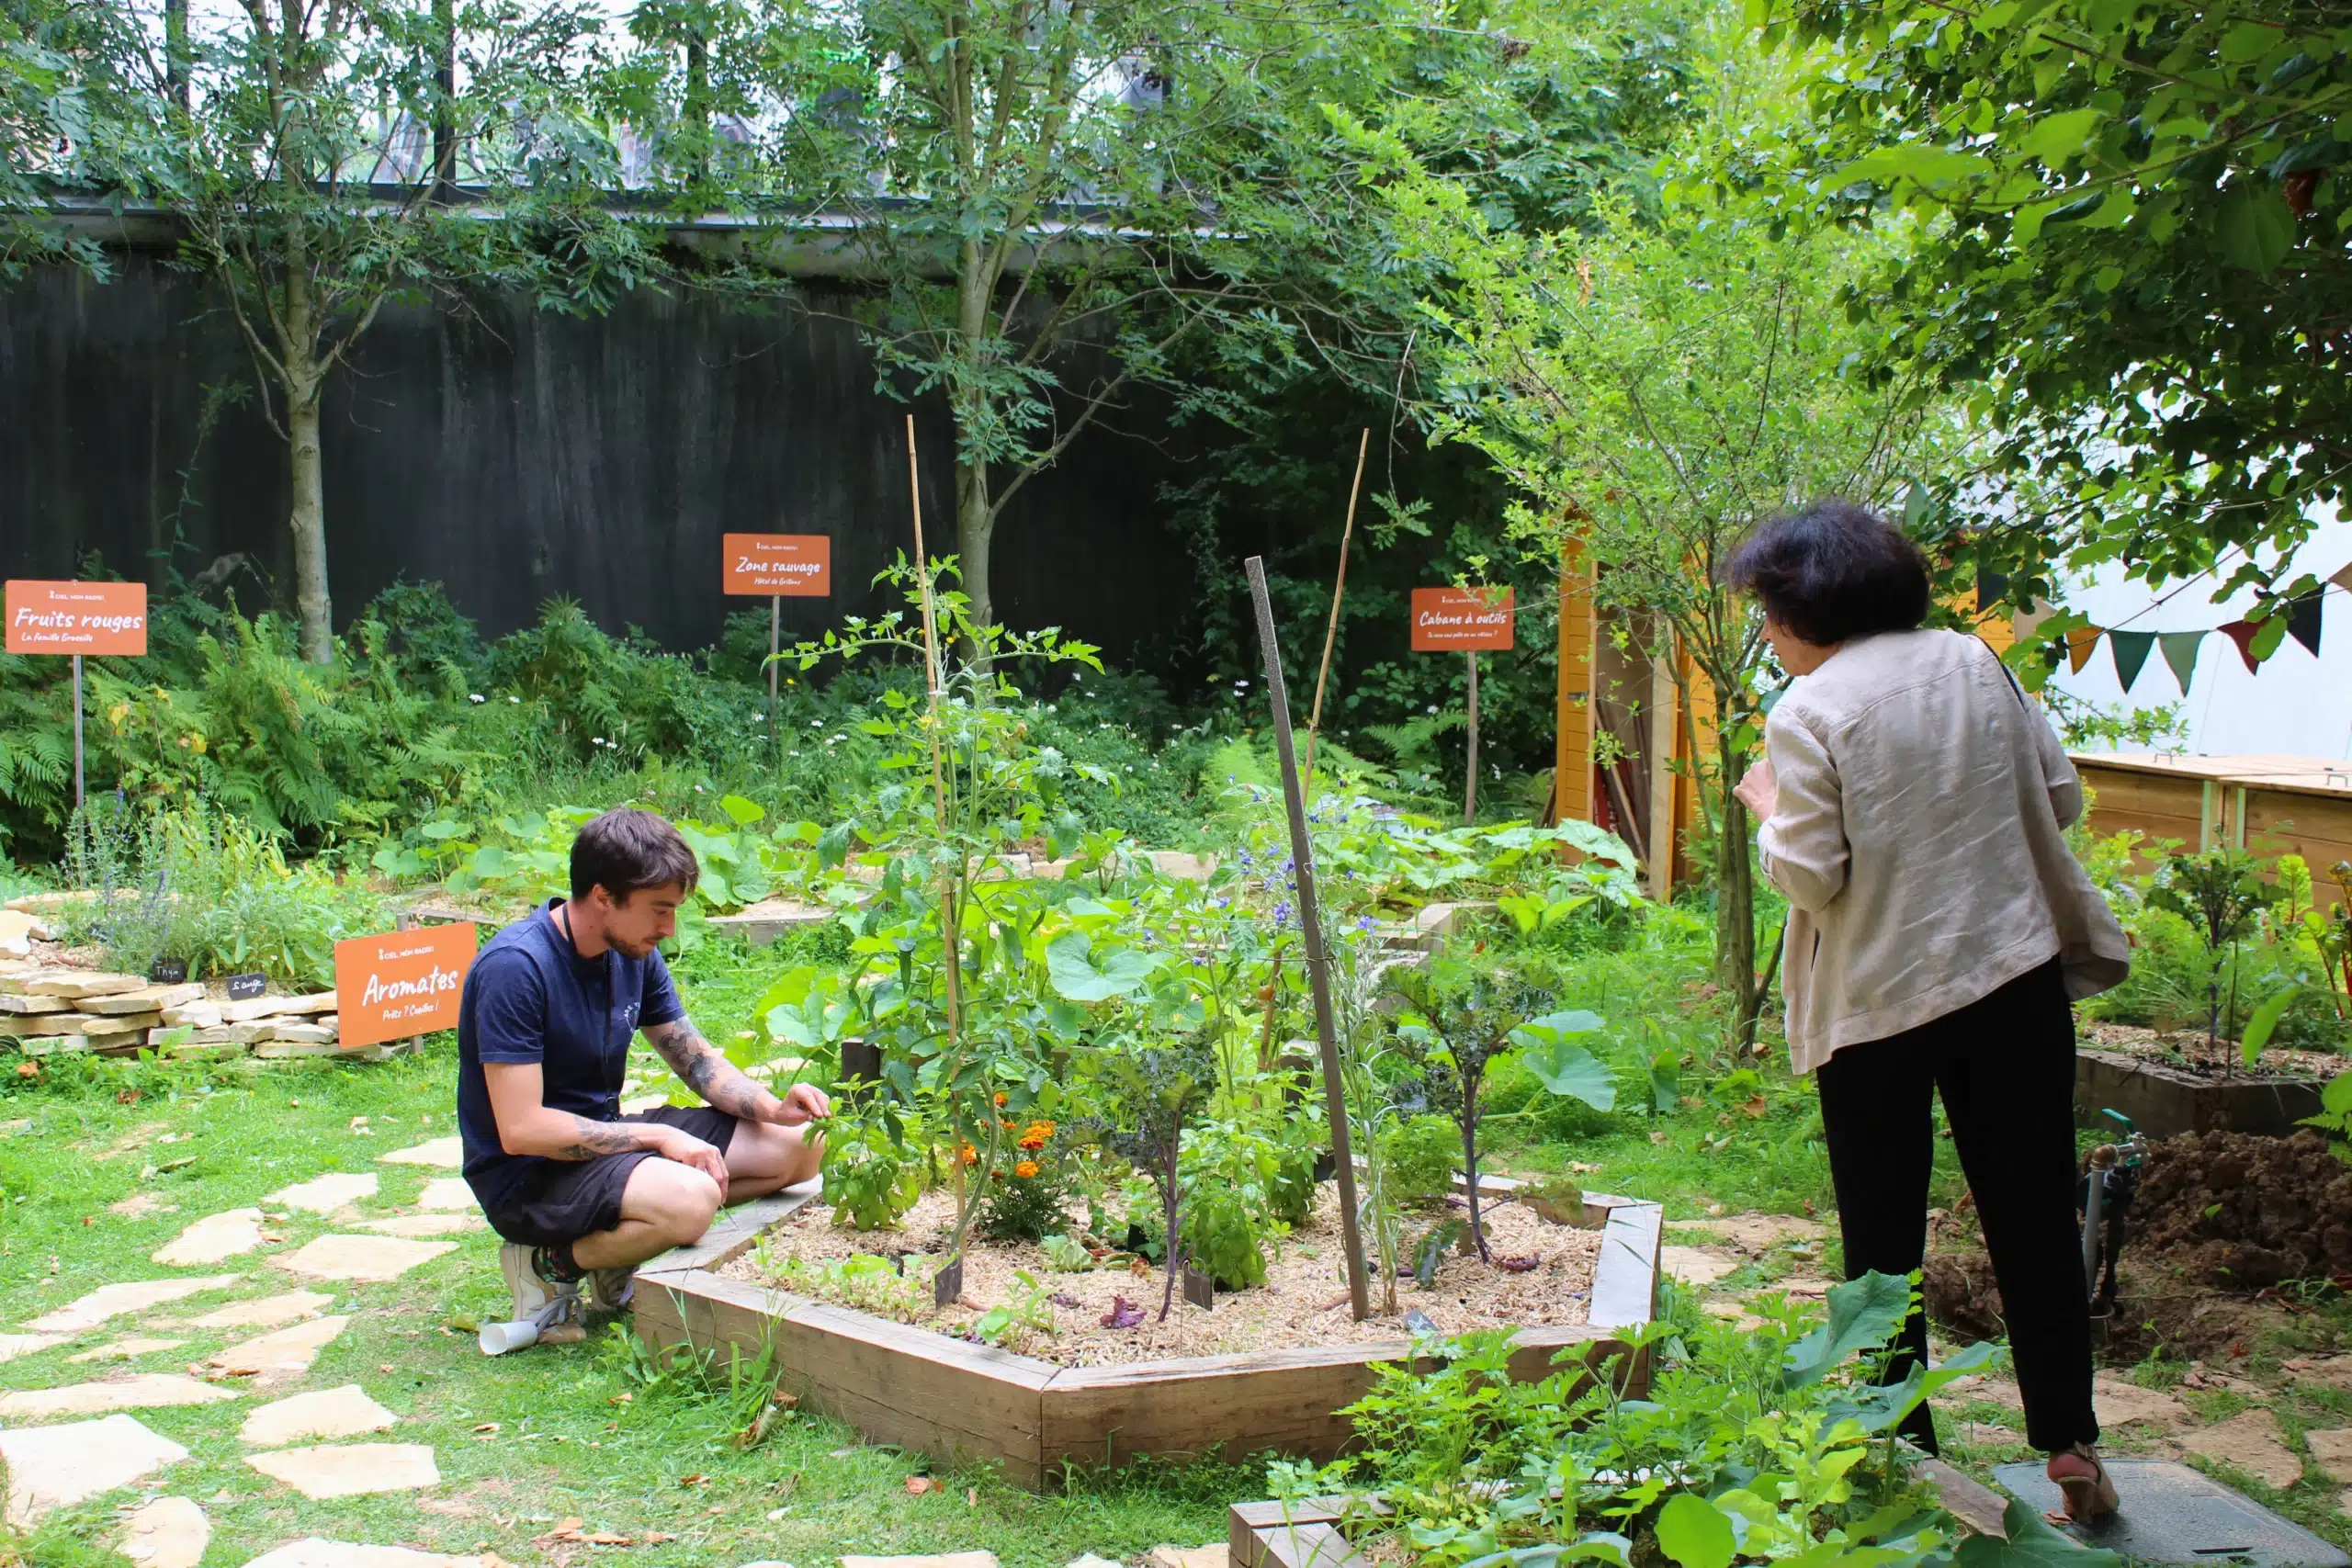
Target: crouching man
<point>579,1191</point>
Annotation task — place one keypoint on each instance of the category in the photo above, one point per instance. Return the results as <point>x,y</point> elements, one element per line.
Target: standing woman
<point>1913,808</point>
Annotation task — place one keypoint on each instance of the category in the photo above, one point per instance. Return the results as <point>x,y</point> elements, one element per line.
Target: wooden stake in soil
<point>1310,923</point>
<point>776,634</point>
<point>1340,587</point>
<point>950,922</point>
<point>1470,776</point>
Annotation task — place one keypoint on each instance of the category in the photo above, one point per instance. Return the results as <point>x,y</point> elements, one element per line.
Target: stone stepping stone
<point>14,1344</point>
<point>448,1193</point>
<point>1698,1266</point>
<point>2248,1441</point>
<point>268,1312</point>
<point>170,1532</point>
<point>343,1412</point>
<point>361,1257</point>
<point>325,1194</point>
<point>145,1391</point>
<point>128,1347</point>
<point>937,1560</point>
<point>1092,1561</point>
<point>51,1466</point>
<point>212,1238</point>
<point>1214,1556</point>
<point>281,1355</point>
<point>447,1154</point>
<point>113,1301</point>
<point>427,1224</point>
<point>351,1470</point>
<point>311,1552</point>
<point>1756,1233</point>
<point>2122,1403</point>
<point>2332,1451</point>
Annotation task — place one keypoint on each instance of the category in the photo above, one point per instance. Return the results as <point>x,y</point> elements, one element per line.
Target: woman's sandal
<point>2090,1496</point>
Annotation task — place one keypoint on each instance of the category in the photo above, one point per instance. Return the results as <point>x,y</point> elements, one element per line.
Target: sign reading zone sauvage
<point>76,617</point>
<point>402,983</point>
<point>789,566</point>
<point>1461,620</point>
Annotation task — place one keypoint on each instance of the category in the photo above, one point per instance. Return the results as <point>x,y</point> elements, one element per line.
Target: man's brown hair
<point>624,849</point>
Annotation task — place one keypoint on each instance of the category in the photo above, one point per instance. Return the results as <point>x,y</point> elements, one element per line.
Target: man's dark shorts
<point>565,1199</point>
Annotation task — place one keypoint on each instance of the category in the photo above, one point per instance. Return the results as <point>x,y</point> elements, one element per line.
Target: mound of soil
<point>2219,1218</point>
<point>2242,1213</point>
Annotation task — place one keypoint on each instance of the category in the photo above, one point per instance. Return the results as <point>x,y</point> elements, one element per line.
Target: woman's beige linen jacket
<point>1919,837</point>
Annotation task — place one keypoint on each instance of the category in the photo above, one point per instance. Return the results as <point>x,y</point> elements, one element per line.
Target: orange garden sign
<point>790,566</point>
<point>77,617</point>
<point>402,983</point>
<point>1461,620</point>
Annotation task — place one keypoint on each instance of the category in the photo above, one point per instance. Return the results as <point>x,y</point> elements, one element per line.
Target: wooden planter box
<point>2165,1100</point>
<point>957,1401</point>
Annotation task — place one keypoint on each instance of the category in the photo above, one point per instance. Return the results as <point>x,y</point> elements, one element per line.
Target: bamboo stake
<point>1470,780</point>
<point>948,915</point>
<point>1331,631</point>
<point>1310,923</point>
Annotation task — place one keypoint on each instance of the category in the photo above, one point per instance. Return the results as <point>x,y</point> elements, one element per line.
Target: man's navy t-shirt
<point>531,997</point>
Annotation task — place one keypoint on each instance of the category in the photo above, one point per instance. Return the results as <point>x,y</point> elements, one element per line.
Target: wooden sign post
<point>402,983</point>
<point>75,618</point>
<point>781,565</point>
<point>1468,620</point>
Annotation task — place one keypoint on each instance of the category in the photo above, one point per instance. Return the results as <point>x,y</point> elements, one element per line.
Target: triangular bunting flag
<point>2130,650</point>
<point>2180,653</point>
<point>2303,622</point>
<point>2242,633</point>
<point>1990,586</point>
<point>2344,578</point>
<point>2079,647</point>
<point>2025,623</point>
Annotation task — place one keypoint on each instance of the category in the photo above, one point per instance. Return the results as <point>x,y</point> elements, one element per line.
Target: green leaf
<point>1072,966</point>
<point>1863,1315</point>
<point>1694,1533</point>
<point>1913,160</point>
<point>2266,1019</point>
<point>2057,137</point>
<point>1572,1071</point>
<point>2336,1098</point>
<point>2257,229</point>
<point>2033,1543</point>
<point>744,812</point>
<point>2248,42</point>
<point>2268,637</point>
<point>833,846</point>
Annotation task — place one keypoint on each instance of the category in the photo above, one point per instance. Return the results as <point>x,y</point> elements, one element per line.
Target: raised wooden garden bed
<point>2164,1099</point>
<point>956,1400</point>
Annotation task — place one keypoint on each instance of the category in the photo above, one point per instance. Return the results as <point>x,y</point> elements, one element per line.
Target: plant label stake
<point>168,971</point>
<point>75,618</point>
<point>245,988</point>
<point>781,567</point>
<point>1199,1288</point>
<point>947,1285</point>
<point>1310,922</point>
<point>1471,621</point>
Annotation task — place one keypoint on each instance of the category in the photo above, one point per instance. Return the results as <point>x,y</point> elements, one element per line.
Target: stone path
<point>73,1441</point>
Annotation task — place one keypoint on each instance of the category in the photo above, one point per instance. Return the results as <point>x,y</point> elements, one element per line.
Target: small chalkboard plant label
<point>1199,1288</point>
<point>947,1285</point>
<point>245,988</point>
<point>168,971</point>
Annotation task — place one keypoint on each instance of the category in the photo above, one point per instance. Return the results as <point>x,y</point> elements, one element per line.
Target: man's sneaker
<point>555,1307</point>
<point>609,1289</point>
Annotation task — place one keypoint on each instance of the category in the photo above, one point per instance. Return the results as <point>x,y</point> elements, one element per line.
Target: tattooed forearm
<point>701,1066</point>
<point>594,1140</point>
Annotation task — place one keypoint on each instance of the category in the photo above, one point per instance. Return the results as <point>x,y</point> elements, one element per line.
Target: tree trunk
<point>1470,1170</point>
<point>309,520</point>
<point>975,532</point>
<point>975,507</point>
<point>445,110</point>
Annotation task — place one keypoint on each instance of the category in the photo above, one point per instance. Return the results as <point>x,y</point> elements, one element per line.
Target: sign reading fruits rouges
<point>76,617</point>
<point>402,983</point>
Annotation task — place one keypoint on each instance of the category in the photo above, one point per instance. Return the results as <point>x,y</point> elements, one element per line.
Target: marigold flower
<point>999,1098</point>
<point>967,1153</point>
<point>1025,1170</point>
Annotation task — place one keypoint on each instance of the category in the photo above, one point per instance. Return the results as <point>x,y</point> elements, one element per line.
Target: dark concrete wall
<point>513,455</point>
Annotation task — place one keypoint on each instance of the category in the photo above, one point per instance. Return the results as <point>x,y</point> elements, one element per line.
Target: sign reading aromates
<point>402,983</point>
<point>1461,620</point>
<point>789,566</point>
<point>77,617</point>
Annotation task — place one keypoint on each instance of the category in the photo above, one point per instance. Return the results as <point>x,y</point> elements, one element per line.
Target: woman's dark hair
<point>624,851</point>
<point>1833,571</point>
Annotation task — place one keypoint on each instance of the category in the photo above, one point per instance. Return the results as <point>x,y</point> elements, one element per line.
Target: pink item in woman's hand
<point>1758,790</point>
